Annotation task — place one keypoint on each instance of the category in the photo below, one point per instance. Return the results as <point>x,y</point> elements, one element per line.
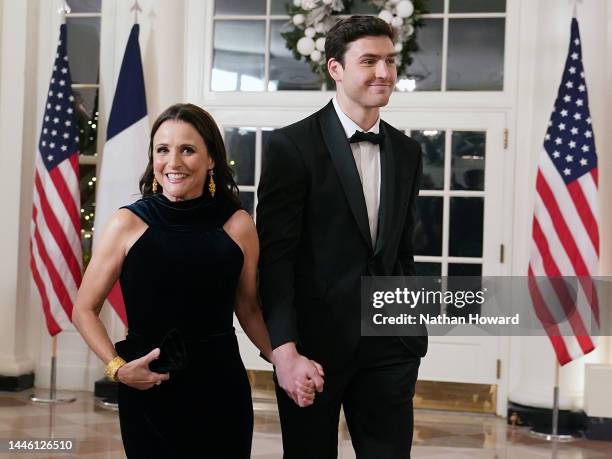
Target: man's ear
<point>335,69</point>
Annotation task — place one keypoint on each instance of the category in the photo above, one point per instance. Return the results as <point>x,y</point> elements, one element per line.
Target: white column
<point>15,200</point>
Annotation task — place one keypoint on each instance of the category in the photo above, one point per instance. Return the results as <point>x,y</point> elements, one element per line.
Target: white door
<point>462,221</point>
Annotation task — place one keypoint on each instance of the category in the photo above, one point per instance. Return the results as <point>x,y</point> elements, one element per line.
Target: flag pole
<point>555,413</point>
<point>136,9</point>
<point>64,10</point>
<point>52,399</point>
<point>553,435</point>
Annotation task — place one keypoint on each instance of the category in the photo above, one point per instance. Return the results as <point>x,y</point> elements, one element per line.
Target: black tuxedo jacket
<point>315,239</point>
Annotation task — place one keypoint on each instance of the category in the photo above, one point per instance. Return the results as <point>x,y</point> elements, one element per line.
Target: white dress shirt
<point>367,160</point>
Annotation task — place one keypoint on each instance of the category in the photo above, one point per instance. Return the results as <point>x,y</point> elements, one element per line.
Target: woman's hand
<point>137,374</point>
<point>305,393</point>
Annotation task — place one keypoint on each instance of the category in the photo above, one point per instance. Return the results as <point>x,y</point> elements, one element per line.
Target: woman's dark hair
<point>205,125</point>
<point>348,30</point>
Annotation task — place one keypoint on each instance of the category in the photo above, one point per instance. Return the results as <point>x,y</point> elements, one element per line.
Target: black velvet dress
<point>181,274</point>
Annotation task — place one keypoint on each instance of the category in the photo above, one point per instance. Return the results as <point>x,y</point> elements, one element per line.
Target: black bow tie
<point>360,136</point>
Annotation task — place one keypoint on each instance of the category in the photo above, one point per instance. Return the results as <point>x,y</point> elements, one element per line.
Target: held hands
<point>297,375</point>
<point>136,373</point>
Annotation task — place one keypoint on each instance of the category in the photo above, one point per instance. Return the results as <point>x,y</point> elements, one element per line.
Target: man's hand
<point>137,374</point>
<point>297,375</point>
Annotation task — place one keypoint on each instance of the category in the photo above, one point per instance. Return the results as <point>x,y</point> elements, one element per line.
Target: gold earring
<point>212,188</point>
<point>154,185</point>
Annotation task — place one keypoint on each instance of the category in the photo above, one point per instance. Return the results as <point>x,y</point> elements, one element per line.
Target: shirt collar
<point>349,125</point>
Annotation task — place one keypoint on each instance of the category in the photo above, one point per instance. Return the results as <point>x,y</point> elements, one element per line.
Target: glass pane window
<point>247,198</point>
<point>428,228</point>
<point>361,7</point>
<point>464,269</point>
<point>426,68</point>
<point>239,56</point>
<point>432,146</point>
<point>240,146</point>
<point>434,6</point>
<point>85,6</point>
<point>251,55</point>
<point>428,269</point>
<point>88,207</point>
<point>468,163</point>
<point>466,227</point>
<point>476,54</point>
<point>287,73</point>
<point>477,6</point>
<point>278,6</point>
<point>86,111</point>
<point>83,47</point>
<point>240,7</point>
<point>449,229</point>
<point>83,37</point>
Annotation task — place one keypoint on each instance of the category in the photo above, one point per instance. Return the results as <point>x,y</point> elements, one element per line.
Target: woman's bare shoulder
<point>241,227</point>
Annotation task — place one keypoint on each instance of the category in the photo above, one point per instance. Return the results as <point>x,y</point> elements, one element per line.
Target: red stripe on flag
<point>550,267</point>
<point>58,286</point>
<point>584,210</point>
<point>52,325</point>
<point>558,220</point>
<point>115,297</point>
<point>558,284</point>
<point>58,233</point>
<point>66,196</point>
<point>595,176</point>
<point>547,320</point>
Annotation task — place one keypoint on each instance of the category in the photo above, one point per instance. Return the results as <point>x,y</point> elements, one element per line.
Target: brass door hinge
<point>505,139</point>
<point>498,370</point>
<point>501,253</point>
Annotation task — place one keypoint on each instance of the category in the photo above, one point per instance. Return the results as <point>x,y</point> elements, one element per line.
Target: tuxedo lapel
<point>387,188</point>
<point>342,158</point>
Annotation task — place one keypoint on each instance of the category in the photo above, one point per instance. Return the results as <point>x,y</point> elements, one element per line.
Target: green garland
<point>316,17</point>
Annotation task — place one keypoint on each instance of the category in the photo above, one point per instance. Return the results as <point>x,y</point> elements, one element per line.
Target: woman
<point>186,256</point>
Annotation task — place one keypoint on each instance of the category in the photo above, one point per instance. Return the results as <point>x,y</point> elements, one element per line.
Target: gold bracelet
<point>112,367</point>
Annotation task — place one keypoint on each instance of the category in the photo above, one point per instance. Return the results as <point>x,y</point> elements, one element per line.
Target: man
<point>336,204</point>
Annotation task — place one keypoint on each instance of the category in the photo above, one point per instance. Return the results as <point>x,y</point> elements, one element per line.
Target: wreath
<point>310,21</point>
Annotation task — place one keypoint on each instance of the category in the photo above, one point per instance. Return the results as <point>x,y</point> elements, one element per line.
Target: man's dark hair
<point>348,30</point>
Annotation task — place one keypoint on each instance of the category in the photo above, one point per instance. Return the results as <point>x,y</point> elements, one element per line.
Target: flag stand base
<point>52,399</point>
<point>553,434</point>
<point>561,437</point>
<point>106,405</point>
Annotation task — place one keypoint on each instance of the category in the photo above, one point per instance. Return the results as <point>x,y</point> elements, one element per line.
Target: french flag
<point>125,151</point>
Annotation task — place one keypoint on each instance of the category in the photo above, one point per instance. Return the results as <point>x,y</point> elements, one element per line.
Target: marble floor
<point>438,434</point>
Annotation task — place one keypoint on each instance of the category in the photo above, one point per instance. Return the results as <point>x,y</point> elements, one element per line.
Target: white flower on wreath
<point>314,18</point>
<point>309,4</point>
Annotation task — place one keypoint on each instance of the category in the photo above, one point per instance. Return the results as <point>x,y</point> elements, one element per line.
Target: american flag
<point>55,233</point>
<point>565,231</point>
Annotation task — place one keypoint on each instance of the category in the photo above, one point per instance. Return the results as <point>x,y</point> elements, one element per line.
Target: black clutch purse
<point>172,356</point>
